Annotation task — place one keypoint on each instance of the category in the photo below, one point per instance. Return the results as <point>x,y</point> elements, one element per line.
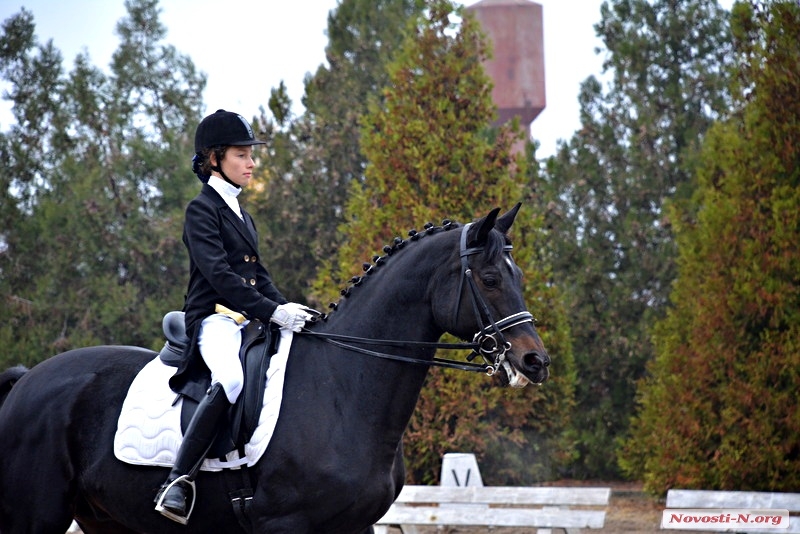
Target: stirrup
<point>166,512</point>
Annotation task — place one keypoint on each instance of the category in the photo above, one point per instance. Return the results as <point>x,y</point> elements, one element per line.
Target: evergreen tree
<point>363,37</point>
<point>312,158</point>
<point>603,192</point>
<point>93,195</point>
<point>431,156</point>
<point>719,409</point>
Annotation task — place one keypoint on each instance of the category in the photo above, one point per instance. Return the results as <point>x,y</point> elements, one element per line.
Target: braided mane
<point>493,247</point>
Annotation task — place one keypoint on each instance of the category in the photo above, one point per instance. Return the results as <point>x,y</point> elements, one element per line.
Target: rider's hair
<point>202,165</point>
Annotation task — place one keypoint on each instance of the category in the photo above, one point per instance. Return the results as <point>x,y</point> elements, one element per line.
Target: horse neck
<point>395,302</point>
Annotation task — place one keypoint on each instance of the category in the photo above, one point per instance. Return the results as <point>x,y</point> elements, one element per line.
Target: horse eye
<point>490,281</point>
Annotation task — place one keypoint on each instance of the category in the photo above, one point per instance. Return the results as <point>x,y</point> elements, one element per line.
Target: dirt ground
<point>631,510</point>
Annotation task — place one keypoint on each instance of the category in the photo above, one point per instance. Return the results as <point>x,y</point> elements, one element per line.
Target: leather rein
<point>489,342</point>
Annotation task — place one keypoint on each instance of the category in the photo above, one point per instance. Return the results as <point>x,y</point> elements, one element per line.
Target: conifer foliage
<point>604,193</point>
<point>96,172</point>
<point>303,181</point>
<point>719,410</point>
<point>432,155</point>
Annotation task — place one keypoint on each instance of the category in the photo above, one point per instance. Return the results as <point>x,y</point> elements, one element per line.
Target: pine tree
<point>719,409</point>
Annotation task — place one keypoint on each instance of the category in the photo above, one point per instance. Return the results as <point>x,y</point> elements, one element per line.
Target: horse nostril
<point>536,360</point>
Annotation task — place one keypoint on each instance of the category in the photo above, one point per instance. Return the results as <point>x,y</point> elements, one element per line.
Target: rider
<point>227,287</point>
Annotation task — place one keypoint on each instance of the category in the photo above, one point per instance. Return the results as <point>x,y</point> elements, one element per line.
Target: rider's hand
<point>310,312</point>
<point>290,316</point>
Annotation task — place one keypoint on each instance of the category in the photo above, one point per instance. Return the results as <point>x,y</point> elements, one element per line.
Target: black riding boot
<point>172,498</point>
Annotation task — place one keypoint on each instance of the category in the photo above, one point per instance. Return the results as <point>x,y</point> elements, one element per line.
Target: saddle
<point>259,344</point>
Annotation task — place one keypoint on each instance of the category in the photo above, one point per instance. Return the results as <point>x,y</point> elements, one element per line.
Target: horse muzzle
<point>518,371</point>
<point>533,367</point>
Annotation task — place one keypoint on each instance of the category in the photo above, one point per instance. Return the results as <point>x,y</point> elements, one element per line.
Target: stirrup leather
<point>166,512</point>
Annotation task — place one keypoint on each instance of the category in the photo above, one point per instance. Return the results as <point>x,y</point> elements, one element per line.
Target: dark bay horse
<point>334,463</point>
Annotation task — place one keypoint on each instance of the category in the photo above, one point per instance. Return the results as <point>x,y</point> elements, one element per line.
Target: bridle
<point>488,342</point>
<point>492,345</point>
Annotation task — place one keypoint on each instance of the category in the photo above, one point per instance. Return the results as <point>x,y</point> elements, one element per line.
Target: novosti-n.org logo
<point>685,519</point>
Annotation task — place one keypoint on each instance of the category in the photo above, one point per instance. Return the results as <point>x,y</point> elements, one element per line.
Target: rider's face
<point>238,164</point>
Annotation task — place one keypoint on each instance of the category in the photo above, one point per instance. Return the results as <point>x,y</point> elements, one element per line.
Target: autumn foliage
<point>719,409</point>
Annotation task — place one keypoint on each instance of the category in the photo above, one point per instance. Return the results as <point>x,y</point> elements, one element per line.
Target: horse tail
<point>8,378</point>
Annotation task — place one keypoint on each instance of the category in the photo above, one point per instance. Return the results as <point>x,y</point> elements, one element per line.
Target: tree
<point>93,189</point>
<point>363,38</point>
<point>718,409</point>
<point>312,158</point>
<point>610,242</point>
<point>284,197</point>
<point>431,154</point>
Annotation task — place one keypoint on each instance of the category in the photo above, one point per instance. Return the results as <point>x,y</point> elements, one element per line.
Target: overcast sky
<point>285,39</point>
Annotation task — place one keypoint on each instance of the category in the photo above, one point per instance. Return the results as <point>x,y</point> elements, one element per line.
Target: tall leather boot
<point>172,498</point>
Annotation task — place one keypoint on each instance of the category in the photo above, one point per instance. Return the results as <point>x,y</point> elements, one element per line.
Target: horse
<point>335,461</point>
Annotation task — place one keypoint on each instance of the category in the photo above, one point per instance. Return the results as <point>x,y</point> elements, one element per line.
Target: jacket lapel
<point>245,228</point>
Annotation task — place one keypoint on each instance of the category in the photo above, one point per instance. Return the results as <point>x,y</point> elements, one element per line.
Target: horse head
<point>488,295</point>
<point>463,281</point>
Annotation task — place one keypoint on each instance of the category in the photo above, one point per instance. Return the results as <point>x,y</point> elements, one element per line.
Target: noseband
<point>488,342</point>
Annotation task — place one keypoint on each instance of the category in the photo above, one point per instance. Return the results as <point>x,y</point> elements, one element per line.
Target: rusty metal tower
<point>517,66</point>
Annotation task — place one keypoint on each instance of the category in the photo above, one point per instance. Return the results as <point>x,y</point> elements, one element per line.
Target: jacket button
<point>252,281</point>
<point>244,281</point>
<point>246,258</point>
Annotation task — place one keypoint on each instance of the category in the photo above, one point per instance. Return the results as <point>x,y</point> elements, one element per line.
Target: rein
<point>489,342</point>
<point>346,342</point>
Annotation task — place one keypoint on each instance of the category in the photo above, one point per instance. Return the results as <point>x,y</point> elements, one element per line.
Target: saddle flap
<point>259,343</point>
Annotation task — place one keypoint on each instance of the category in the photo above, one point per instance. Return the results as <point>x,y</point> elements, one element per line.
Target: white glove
<point>290,316</point>
<point>309,312</point>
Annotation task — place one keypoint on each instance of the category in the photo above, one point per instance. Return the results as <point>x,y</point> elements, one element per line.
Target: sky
<point>248,47</point>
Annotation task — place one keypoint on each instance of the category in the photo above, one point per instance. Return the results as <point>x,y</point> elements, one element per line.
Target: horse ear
<point>481,228</point>
<point>507,219</point>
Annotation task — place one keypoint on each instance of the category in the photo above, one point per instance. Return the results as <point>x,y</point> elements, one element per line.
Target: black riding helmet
<point>221,129</point>
<point>224,128</point>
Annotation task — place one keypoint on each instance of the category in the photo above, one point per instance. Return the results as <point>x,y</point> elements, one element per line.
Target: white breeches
<point>219,340</point>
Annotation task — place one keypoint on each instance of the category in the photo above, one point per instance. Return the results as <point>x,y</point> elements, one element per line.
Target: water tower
<point>517,66</point>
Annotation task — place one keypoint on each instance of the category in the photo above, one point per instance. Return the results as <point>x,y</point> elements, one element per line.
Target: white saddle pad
<point>149,427</point>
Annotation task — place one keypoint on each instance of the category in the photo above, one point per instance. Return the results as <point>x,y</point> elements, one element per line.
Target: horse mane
<point>493,248</point>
